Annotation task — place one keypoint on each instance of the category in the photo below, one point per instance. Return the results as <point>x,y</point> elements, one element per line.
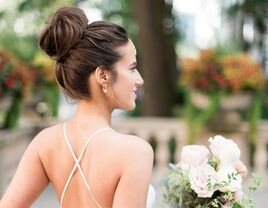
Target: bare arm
<point>28,182</point>
<point>133,185</point>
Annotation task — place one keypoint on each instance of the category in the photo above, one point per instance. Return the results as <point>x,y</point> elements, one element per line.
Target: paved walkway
<point>48,199</point>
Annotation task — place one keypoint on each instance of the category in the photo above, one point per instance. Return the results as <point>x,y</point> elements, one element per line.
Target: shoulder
<point>129,143</point>
<point>135,163</point>
<point>131,149</point>
<point>48,133</point>
<point>137,144</point>
<point>47,138</point>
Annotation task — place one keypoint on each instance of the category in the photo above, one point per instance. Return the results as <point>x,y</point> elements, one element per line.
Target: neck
<point>89,113</point>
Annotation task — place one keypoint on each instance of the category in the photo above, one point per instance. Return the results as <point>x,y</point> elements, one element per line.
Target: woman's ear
<point>102,77</point>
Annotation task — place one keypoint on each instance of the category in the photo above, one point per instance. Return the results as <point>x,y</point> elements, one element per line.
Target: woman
<point>88,163</point>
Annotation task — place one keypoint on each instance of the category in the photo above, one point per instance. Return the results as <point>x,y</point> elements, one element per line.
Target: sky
<point>207,19</point>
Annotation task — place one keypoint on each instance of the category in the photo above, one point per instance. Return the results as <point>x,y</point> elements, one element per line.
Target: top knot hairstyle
<point>79,48</point>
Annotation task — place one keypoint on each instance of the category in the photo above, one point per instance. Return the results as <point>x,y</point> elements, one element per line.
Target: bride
<point>88,163</point>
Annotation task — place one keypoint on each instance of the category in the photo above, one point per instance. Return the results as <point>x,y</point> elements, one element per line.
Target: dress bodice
<point>150,197</point>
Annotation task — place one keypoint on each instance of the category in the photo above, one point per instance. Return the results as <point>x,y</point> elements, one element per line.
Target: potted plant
<point>15,81</point>
<point>218,86</point>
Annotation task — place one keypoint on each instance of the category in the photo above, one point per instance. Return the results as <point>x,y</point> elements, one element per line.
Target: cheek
<point>123,83</point>
<point>122,90</point>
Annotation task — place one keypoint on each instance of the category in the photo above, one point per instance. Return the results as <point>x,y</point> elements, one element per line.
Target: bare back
<point>102,164</point>
<point>117,168</point>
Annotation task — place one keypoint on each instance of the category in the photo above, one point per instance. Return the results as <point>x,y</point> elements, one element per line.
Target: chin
<point>129,107</point>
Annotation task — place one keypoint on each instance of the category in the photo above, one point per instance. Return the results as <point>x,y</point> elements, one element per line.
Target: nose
<point>139,80</point>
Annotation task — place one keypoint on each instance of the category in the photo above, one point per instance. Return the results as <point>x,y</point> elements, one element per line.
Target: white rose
<point>199,177</point>
<point>228,179</point>
<point>194,155</point>
<point>224,149</point>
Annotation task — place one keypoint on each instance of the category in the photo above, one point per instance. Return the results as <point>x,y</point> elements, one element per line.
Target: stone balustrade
<point>261,156</point>
<point>163,129</point>
<point>159,129</point>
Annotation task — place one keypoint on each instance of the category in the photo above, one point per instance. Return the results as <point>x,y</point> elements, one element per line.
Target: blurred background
<point>204,63</point>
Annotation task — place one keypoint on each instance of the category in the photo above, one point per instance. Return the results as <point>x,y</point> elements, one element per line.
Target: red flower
<point>10,82</point>
<point>211,72</point>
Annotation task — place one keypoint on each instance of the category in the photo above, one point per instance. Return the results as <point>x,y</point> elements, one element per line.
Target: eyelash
<point>133,69</point>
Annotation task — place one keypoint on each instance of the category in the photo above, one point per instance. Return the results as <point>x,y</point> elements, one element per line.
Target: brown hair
<point>79,48</point>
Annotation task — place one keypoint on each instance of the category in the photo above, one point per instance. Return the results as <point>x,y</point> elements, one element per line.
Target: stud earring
<point>104,89</point>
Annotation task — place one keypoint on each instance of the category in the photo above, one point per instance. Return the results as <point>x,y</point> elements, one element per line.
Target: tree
<point>20,24</point>
<point>255,10</point>
<point>156,38</point>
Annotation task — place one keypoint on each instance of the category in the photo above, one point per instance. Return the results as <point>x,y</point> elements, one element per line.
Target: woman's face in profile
<point>128,79</point>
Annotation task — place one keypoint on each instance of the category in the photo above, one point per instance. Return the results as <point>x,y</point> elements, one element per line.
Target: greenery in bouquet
<point>209,178</point>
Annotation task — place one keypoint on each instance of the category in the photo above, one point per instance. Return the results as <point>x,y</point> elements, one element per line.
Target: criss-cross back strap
<point>77,162</point>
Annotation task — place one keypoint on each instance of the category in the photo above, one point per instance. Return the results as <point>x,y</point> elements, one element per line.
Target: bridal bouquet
<point>207,178</point>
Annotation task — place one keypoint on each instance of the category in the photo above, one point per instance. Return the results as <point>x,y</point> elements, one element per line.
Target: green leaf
<point>236,205</point>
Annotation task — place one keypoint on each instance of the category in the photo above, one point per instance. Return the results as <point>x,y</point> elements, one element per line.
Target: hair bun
<point>63,31</point>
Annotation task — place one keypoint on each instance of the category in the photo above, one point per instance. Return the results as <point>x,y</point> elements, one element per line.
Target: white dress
<point>151,191</point>
<point>150,197</point>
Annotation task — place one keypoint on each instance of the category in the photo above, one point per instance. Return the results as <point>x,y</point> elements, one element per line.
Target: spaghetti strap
<point>77,163</point>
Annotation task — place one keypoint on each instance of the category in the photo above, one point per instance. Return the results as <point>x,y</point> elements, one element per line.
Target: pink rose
<point>241,168</point>
<point>193,155</point>
<point>226,182</point>
<point>224,149</point>
<point>200,177</point>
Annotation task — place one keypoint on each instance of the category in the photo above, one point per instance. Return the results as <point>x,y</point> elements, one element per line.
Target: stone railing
<point>159,129</point>
<point>13,143</point>
<point>261,155</point>
<point>163,129</point>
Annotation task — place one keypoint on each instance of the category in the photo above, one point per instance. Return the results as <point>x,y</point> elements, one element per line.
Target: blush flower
<point>229,179</point>
<point>193,155</point>
<point>205,178</point>
<point>224,149</point>
<point>241,168</point>
<point>202,179</point>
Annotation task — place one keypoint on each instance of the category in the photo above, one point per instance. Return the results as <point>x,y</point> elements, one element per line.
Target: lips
<point>134,93</point>
<point>139,93</point>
